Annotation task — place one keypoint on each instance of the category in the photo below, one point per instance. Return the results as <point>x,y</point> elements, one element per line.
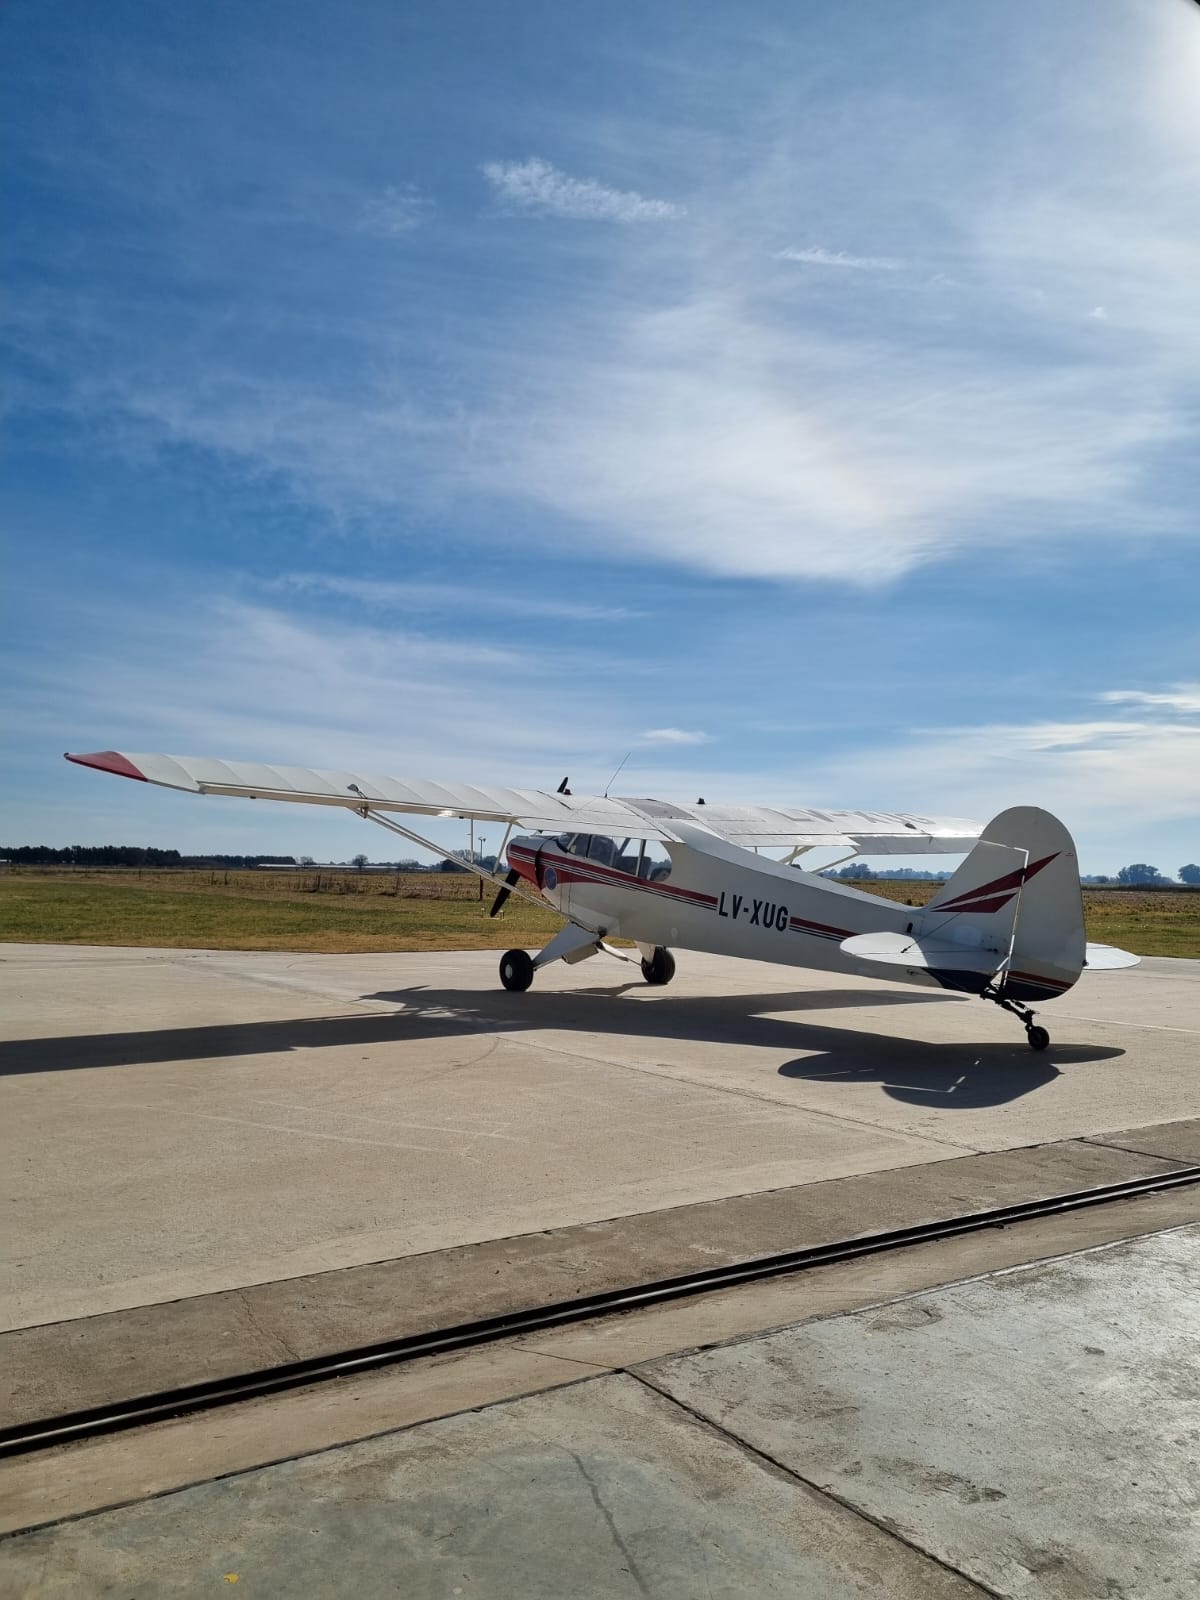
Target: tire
<point>660,968</point>
<point>516,970</point>
<point>1038,1038</point>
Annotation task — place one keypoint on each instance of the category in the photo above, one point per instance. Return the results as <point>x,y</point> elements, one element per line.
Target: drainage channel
<point>139,1410</point>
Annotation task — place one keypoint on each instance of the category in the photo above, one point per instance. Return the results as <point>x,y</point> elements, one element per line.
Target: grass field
<point>1150,922</point>
<point>331,912</point>
<point>340,912</point>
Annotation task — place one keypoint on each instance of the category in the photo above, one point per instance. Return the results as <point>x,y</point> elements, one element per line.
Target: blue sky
<point>804,398</point>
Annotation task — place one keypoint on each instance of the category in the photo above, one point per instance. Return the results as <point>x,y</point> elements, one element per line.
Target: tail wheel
<point>1038,1038</point>
<point>516,970</point>
<point>661,966</point>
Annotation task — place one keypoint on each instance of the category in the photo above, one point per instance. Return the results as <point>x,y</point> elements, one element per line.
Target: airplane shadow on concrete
<point>955,1076</point>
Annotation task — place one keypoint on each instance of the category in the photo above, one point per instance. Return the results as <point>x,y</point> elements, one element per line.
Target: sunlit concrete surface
<point>174,1123</point>
<point>1030,1433</point>
<point>1036,1430</point>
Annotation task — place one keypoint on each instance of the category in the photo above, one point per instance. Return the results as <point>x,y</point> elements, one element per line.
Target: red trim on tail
<point>969,899</point>
<point>108,761</point>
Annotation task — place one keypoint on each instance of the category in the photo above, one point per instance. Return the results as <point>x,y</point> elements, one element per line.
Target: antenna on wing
<point>617,773</point>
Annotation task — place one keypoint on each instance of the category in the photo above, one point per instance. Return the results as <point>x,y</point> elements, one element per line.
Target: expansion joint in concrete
<point>1129,1149</point>
<point>779,1469</point>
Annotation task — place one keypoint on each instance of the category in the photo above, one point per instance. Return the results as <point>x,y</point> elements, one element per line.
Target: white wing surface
<point>882,833</point>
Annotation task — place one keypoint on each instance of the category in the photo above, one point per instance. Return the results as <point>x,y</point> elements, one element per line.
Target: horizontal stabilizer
<point>1106,958</point>
<point>907,950</point>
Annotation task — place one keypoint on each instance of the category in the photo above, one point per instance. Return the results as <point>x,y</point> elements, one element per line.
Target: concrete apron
<point>169,1455</point>
<point>1028,1433</point>
<point>179,1123</point>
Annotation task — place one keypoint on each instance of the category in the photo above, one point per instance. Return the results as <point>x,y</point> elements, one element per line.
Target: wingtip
<point>107,761</point>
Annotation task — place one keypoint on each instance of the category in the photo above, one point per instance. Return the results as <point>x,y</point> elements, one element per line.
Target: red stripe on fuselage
<point>817,930</point>
<point>582,869</point>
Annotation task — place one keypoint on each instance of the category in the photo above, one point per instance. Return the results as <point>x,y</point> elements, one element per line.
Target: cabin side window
<point>655,863</point>
<point>625,858</point>
<point>620,854</point>
<point>645,859</point>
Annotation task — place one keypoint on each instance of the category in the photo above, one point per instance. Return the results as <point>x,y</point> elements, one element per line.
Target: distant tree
<point>859,869</point>
<point>1190,874</point>
<point>1140,872</point>
<point>358,861</point>
<point>307,861</point>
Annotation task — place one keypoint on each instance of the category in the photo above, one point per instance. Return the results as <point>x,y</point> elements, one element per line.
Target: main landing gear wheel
<point>1038,1037</point>
<point>516,970</point>
<point>661,966</point>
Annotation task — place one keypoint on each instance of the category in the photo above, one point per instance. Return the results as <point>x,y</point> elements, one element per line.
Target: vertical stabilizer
<point>1017,894</point>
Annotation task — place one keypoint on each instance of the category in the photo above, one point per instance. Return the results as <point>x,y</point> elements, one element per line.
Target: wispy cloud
<point>1110,780</point>
<point>675,736</point>
<point>816,256</point>
<point>536,187</point>
<point>384,594</point>
<point>711,437</point>
<point>1183,697</point>
<point>198,673</point>
<point>400,209</point>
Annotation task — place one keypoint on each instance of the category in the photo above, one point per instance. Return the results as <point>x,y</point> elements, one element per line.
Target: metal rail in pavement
<point>139,1410</point>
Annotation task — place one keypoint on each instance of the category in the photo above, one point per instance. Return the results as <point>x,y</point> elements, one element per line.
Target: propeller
<point>514,877</point>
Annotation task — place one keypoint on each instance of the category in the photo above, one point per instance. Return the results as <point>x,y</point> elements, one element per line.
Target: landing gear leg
<point>1034,1032</point>
<point>569,944</point>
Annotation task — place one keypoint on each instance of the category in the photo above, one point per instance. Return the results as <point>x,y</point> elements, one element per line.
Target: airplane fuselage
<point>715,897</point>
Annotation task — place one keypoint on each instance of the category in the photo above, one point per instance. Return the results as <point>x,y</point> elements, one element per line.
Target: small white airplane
<point>1008,926</point>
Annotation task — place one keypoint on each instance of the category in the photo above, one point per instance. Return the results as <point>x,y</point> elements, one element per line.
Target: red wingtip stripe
<point>108,761</point>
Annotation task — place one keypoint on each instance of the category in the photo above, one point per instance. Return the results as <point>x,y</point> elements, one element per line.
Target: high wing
<point>882,833</point>
<point>526,808</point>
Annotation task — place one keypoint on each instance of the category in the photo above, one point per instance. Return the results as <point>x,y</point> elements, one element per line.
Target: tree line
<point>1138,875</point>
<point>148,855</point>
<point>127,855</point>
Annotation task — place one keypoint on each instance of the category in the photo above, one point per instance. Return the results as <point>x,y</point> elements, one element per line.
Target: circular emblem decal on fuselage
<point>550,881</point>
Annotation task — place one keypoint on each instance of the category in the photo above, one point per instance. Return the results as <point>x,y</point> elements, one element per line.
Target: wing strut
<point>368,815</point>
